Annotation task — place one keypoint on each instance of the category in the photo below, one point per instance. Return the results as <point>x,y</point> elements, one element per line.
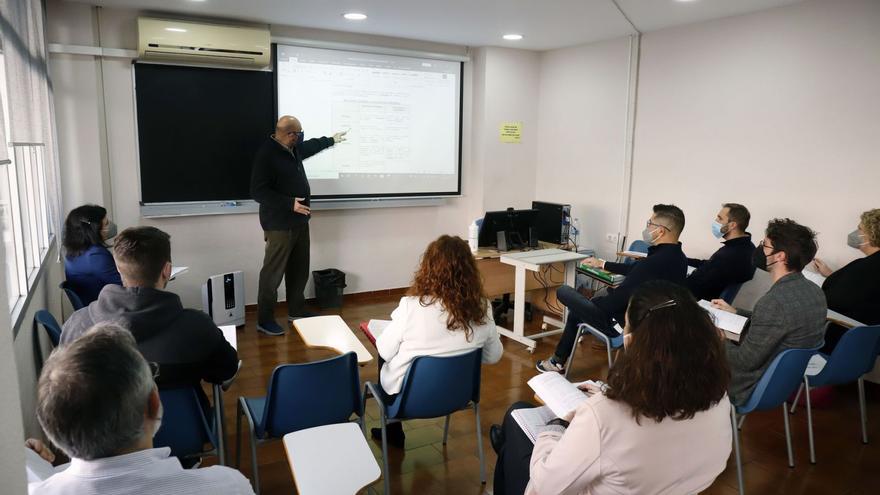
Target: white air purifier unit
<point>223,298</point>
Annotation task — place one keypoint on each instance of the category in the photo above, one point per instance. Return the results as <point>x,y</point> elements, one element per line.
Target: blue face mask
<point>716,230</point>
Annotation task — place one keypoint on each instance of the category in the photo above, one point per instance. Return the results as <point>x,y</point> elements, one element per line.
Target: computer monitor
<point>515,224</point>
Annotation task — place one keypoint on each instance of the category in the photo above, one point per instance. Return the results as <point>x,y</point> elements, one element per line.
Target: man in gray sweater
<point>791,315</point>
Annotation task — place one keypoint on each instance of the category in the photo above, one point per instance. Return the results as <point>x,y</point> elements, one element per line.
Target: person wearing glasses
<point>791,315</point>
<point>279,184</point>
<point>643,431</point>
<point>97,402</point>
<point>665,261</point>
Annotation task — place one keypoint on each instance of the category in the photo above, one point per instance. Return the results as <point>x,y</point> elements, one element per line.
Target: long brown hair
<point>675,364</point>
<point>448,273</point>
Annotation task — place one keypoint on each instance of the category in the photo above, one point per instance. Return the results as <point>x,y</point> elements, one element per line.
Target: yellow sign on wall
<point>511,132</point>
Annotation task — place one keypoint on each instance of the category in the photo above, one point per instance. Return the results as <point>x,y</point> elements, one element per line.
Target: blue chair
<point>729,293</point>
<point>301,396</point>
<point>74,298</point>
<point>185,429</point>
<point>50,324</point>
<point>638,246</point>
<point>854,356</point>
<point>611,343</point>
<point>433,387</point>
<point>776,385</point>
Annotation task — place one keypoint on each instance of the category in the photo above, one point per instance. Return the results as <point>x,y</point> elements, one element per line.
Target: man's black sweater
<point>664,262</point>
<point>185,343</point>
<point>278,177</point>
<point>731,264</point>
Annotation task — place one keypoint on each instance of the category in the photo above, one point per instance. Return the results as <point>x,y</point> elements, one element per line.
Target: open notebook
<point>560,397</point>
<point>373,329</point>
<point>731,323</point>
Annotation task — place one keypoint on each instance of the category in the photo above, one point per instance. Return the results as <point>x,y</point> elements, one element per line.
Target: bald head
<point>287,130</point>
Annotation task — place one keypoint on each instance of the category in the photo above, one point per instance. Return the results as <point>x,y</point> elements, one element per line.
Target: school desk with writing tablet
<point>331,332</point>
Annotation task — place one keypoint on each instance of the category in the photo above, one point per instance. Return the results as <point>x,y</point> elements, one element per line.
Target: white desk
<point>330,459</point>
<point>843,320</point>
<point>532,261</point>
<point>331,332</point>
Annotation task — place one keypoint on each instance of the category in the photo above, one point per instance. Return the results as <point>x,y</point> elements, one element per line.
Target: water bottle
<point>575,231</point>
<point>473,234</point>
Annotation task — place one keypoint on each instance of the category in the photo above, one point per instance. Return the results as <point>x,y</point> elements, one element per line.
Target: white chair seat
<point>330,459</point>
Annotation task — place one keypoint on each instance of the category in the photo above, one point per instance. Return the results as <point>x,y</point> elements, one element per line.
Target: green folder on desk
<point>602,275</point>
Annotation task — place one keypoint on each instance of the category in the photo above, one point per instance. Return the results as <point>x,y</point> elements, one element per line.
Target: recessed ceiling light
<point>354,16</point>
<point>176,30</point>
<point>513,37</point>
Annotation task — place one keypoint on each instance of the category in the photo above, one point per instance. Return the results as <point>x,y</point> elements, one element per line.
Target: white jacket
<point>417,330</point>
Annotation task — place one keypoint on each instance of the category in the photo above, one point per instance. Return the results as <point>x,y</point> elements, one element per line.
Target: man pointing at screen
<point>279,184</point>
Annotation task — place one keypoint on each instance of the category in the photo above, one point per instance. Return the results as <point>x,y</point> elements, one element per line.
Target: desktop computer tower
<point>552,224</point>
<point>223,298</point>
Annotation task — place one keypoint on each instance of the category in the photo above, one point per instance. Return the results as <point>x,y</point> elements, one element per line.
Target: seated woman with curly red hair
<point>445,312</point>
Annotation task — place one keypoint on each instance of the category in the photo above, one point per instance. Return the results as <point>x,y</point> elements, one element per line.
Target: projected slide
<point>402,115</point>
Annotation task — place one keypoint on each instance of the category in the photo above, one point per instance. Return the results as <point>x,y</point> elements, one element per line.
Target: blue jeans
<point>580,310</point>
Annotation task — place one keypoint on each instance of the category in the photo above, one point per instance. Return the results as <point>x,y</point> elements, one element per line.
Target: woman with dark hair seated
<point>88,264</point>
<point>445,312</point>
<point>660,425</point>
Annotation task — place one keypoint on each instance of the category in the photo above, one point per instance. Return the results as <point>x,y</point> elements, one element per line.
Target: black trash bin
<point>328,287</point>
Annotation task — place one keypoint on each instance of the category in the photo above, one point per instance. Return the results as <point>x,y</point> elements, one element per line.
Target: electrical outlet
<point>611,238</point>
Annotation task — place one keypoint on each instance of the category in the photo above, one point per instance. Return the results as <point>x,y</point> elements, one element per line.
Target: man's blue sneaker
<point>270,328</point>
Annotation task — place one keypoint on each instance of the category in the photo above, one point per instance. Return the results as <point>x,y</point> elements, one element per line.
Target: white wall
<point>508,85</point>
<point>378,248</point>
<point>582,106</point>
<point>775,110</point>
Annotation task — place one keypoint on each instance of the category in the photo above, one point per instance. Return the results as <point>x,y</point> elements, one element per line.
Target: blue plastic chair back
<point>312,394</point>
<point>184,426</point>
<point>854,356</point>
<point>779,381</point>
<point>437,386</point>
<point>74,298</point>
<point>729,293</point>
<point>53,329</point>
<point>638,246</point>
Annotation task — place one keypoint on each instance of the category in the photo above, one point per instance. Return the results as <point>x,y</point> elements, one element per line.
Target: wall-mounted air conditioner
<point>163,40</point>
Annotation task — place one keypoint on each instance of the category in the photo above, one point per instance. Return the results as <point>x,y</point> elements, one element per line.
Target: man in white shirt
<point>97,402</point>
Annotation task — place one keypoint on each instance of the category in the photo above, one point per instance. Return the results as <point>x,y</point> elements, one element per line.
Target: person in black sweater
<point>665,261</point>
<point>185,343</point>
<point>279,184</point>
<point>854,290</point>
<point>732,263</point>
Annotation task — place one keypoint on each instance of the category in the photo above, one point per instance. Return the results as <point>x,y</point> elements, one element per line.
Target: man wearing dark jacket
<point>279,184</point>
<point>732,263</point>
<point>185,343</point>
<point>665,261</point>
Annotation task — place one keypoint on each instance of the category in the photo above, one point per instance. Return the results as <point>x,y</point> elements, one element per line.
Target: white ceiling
<point>544,24</point>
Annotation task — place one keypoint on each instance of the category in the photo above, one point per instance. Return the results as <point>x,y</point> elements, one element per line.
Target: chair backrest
<point>74,298</point>
<point>437,386</point>
<point>779,380</point>
<point>853,356</point>
<point>729,293</point>
<point>638,246</point>
<point>48,322</point>
<point>184,426</point>
<point>312,394</point>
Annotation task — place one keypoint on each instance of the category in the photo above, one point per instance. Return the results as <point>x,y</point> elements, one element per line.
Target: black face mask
<point>759,259</point>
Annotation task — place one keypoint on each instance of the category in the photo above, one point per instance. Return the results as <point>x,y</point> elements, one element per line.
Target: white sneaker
<point>549,366</point>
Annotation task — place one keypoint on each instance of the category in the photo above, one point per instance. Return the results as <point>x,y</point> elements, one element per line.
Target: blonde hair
<point>870,223</point>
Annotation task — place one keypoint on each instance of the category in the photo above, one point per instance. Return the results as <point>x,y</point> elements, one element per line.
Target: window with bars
<point>24,207</point>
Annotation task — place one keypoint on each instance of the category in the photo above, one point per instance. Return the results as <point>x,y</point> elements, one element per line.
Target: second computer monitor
<point>517,226</point>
